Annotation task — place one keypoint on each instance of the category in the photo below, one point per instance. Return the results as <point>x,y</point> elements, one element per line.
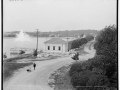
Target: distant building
<point>56,45</point>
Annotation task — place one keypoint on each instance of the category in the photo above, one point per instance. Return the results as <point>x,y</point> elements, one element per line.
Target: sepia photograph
<point>59,45</point>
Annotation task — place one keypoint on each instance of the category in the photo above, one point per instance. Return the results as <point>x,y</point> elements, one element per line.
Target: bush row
<point>78,42</point>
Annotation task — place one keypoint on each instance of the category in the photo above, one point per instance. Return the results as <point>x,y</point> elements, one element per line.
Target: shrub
<point>104,63</point>
<point>100,67</point>
<point>114,79</point>
<point>106,42</point>
<point>76,67</point>
<point>98,71</point>
<point>89,37</point>
<point>78,42</point>
<point>81,78</point>
<point>98,80</point>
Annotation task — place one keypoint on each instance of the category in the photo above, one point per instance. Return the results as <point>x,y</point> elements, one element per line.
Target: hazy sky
<point>55,15</point>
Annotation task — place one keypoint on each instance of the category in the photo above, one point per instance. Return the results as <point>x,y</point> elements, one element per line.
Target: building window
<point>48,47</point>
<point>53,47</point>
<point>59,48</point>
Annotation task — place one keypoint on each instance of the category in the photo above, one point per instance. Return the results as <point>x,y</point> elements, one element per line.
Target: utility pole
<point>37,40</point>
<point>67,41</point>
<point>67,36</point>
<point>35,52</point>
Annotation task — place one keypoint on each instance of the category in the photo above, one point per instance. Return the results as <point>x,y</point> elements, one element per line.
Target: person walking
<point>34,65</point>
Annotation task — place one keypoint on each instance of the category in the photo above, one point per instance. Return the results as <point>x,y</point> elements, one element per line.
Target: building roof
<point>56,41</point>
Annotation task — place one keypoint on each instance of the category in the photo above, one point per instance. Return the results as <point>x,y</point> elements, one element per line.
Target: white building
<point>56,45</point>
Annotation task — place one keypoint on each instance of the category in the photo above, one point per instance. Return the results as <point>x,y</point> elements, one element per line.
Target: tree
<point>106,42</point>
<point>89,37</point>
<point>78,42</point>
<point>106,45</point>
<point>98,80</point>
<point>100,70</point>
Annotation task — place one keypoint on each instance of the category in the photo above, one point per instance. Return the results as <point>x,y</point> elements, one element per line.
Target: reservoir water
<point>9,43</point>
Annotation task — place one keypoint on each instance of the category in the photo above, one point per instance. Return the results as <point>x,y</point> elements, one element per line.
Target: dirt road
<point>38,79</point>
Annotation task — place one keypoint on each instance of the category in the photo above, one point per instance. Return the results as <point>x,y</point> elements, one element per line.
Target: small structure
<point>56,45</point>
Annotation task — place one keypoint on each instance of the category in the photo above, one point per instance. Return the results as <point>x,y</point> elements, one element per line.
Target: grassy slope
<point>10,68</point>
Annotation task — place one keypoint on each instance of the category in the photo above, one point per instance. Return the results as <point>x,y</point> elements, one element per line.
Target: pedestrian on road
<point>34,65</point>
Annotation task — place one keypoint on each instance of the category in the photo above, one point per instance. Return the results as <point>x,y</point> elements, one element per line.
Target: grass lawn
<point>9,68</point>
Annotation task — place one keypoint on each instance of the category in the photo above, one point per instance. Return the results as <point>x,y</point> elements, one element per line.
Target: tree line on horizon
<point>66,33</point>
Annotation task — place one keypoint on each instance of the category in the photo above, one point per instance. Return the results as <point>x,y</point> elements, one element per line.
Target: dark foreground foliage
<point>106,42</point>
<point>100,71</point>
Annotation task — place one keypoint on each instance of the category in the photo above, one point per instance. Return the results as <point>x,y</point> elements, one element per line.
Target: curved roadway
<point>38,79</point>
